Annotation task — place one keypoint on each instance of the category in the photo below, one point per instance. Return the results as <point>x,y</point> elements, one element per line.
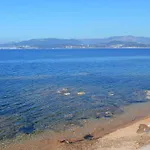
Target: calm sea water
<point>34,86</point>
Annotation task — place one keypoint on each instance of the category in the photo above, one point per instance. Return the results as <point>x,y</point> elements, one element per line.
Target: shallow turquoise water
<point>30,82</point>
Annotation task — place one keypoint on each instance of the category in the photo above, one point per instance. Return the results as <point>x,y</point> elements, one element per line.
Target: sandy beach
<point>125,139</point>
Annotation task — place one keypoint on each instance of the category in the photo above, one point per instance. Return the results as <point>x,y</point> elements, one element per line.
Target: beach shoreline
<point>73,139</point>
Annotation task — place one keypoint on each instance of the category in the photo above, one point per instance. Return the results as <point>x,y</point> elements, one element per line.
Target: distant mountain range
<point>111,42</point>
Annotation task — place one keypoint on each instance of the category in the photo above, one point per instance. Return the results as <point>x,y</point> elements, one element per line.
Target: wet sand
<point>117,133</point>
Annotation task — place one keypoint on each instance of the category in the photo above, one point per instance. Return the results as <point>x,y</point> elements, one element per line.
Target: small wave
<point>25,77</point>
<point>86,59</point>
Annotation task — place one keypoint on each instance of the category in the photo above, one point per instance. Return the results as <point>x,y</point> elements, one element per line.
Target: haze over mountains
<point>111,42</point>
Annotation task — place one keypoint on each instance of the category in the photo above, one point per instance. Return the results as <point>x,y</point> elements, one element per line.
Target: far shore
<point>76,48</point>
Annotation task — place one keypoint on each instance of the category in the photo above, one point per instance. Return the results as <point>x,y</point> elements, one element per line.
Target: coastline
<point>87,48</point>
<point>107,134</point>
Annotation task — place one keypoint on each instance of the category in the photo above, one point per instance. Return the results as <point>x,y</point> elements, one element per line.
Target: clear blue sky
<point>25,19</point>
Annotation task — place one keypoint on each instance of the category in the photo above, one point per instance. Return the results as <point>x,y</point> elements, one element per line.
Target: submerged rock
<point>70,141</point>
<point>63,90</point>
<point>66,94</point>
<point>5,96</point>
<point>81,93</point>
<point>147,92</point>
<point>68,116</point>
<point>98,115</point>
<point>65,141</point>
<point>108,114</point>
<point>111,93</point>
<point>88,137</point>
<point>74,140</point>
<point>143,128</point>
<point>28,129</point>
<point>99,98</point>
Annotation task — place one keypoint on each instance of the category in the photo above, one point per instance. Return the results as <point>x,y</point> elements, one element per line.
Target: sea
<point>53,89</point>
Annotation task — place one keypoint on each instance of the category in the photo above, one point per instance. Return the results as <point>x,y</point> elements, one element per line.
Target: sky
<point>27,19</point>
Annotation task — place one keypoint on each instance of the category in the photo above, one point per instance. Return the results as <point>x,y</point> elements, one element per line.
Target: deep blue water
<point>30,82</point>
